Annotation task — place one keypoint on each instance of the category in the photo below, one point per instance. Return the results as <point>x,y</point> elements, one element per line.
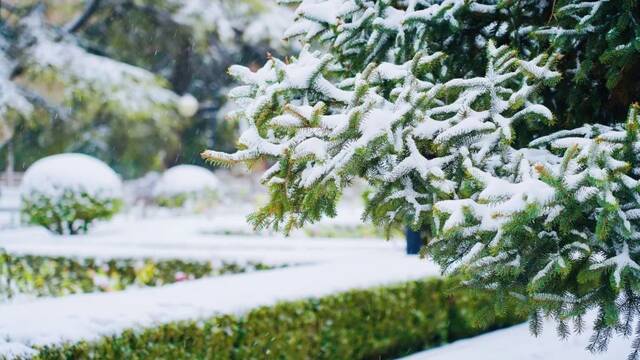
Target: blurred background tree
<point>116,79</point>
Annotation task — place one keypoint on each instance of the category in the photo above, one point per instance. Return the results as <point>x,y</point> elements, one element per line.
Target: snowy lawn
<point>517,342</point>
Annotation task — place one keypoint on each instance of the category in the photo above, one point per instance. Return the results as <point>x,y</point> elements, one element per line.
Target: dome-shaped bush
<point>186,183</point>
<point>65,193</point>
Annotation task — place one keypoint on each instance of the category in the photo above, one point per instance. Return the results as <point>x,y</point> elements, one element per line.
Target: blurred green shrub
<point>57,276</point>
<point>172,202</point>
<point>196,201</point>
<point>69,213</point>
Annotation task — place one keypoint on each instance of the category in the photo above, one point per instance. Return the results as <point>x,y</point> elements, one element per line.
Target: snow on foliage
<point>78,173</point>
<point>184,179</point>
<point>261,22</point>
<point>128,89</point>
<point>66,193</point>
<point>11,98</point>
<point>554,223</point>
<point>90,317</point>
<point>204,16</point>
<point>464,120</point>
<point>268,26</point>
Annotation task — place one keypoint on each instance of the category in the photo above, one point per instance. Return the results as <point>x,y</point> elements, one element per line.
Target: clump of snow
<point>184,179</point>
<point>187,105</point>
<point>54,175</point>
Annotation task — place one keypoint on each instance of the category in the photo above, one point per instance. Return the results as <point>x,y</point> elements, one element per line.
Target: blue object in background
<point>414,241</point>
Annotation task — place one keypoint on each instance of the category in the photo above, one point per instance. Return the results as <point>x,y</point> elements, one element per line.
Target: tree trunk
<point>9,171</point>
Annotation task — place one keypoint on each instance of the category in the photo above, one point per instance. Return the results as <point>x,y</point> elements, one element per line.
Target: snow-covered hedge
<point>57,276</point>
<point>378,322</point>
<point>186,184</point>
<point>65,193</point>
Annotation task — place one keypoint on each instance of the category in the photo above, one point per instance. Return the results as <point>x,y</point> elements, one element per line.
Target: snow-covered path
<point>191,238</point>
<point>516,343</point>
<point>90,316</point>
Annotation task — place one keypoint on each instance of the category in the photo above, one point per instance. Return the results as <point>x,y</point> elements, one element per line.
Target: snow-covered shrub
<point>65,193</point>
<point>388,321</point>
<point>186,185</point>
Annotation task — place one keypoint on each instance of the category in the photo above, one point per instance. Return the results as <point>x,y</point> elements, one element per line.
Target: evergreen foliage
<point>470,120</point>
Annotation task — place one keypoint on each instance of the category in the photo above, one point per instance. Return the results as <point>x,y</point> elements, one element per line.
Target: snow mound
<point>56,174</point>
<point>183,179</point>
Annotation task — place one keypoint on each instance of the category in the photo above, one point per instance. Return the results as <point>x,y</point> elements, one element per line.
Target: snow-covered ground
<point>9,206</point>
<point>90,316</point>
<point>199,237</point>
<point>517,343</point>
<point>323,266</point>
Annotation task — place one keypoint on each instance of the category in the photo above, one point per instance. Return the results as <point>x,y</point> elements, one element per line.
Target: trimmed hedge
<point>57,276</point>
<point>374,323</point>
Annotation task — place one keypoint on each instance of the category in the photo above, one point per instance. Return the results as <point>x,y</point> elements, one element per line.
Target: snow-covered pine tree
<point>561,234</point>
<point>449,137</point>
<point>99,77</point>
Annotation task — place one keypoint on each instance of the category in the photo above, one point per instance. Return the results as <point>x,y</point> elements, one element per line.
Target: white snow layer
<point>517,342</point>
<point>183,179</point>
<point>193,238</point>
<point>268,27</point>
<point>260,21</point>
<point>91,316</point>
<point>53,175</point>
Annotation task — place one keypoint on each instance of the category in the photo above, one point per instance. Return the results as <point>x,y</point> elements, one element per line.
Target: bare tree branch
<point>82,19</point>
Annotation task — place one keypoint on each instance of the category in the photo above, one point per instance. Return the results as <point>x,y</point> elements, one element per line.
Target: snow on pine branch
<point>554,223</point>
<point>583,14</point>
<point>11,96</point>
<point>412,133</point>
<point>366,31</point>
<point>576,217</point>
<point>259,22</point>
<point>347,24</point>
